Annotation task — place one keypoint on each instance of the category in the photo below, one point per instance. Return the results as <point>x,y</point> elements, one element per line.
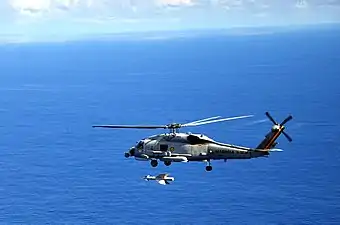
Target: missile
<point>174,159</point>
<point>161,178</point>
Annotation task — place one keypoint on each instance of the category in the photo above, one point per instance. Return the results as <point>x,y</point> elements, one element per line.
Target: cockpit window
<point>140,145</point>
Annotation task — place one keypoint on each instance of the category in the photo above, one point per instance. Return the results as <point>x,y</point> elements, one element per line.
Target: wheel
<point>167,163</point>
<point>154,163</point>
<point>127,155</point>
<point>208,168</point>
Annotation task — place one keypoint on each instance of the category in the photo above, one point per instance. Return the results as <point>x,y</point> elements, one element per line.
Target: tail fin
<point>269,141</point>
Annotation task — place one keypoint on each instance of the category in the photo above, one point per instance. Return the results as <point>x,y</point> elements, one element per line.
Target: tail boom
<point>269,140</point>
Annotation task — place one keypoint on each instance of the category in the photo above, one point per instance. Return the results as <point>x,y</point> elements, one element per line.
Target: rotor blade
<point>131,126</point>
<point>271,118</point>
<point>286,120</point>
<point>202,120</point>
<point>218,120</point>
<point>287,136</point>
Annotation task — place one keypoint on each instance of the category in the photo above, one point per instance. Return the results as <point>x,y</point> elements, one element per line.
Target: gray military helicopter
<point>185,147</point>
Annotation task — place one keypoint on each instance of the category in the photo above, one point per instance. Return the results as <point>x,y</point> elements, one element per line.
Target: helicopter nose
<point>132,151</point>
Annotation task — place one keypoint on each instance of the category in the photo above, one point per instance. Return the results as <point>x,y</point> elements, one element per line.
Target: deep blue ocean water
<point>56,169</point>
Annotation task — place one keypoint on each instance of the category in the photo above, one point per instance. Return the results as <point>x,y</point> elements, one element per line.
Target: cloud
<point>98,6</point>
<point>123,7</point>
<point>64,4</point>
<point>29,7</point>
<point>65,17</point>
<point>175,2</point>
<point>301,4</point>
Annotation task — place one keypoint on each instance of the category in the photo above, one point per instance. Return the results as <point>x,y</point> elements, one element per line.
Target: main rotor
<point>174,127</point>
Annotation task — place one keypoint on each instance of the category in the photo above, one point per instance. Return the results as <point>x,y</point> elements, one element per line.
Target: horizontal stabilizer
<point>276,150</point>
<point>268,150</point>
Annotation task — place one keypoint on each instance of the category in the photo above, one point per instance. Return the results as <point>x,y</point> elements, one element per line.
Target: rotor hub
<point>174,125</point>
<point>276,127</point>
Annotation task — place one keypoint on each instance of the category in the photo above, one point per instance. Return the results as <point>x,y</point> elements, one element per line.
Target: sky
<point>44,19</point>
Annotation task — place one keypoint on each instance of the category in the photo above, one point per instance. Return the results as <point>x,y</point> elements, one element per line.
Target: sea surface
<point>56,169</point>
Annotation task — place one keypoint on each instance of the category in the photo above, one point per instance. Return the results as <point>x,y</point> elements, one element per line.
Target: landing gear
<point>208,167</point>
<point>154,163</point>
<point>127,155</point>
<point>167,163</point>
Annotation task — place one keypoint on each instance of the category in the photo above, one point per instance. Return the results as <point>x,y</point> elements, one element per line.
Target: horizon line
<point>13,39</point>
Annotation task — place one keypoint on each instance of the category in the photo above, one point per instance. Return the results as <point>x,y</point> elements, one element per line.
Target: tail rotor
<point>269,142</point>
<point>281,126</point>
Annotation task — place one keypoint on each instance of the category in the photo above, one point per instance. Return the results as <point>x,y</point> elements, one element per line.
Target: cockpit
<point>140,144</point>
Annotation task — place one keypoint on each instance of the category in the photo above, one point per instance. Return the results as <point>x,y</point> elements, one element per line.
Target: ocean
<point>56,169</point>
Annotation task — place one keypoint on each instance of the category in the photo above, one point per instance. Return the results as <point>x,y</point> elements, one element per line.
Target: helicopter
<point>175,146</point>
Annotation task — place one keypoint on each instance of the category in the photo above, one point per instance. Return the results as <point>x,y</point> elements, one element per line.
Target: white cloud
<point>301,4</point>
<point>64,4</point>
<point>39,6</point>
<point>175,2</point>
<point>115,7</point>
<point>91,16</point>
<point>30,6</point>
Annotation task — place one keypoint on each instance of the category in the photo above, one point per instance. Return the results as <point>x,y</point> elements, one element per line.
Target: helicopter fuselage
<point>184,147</point>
